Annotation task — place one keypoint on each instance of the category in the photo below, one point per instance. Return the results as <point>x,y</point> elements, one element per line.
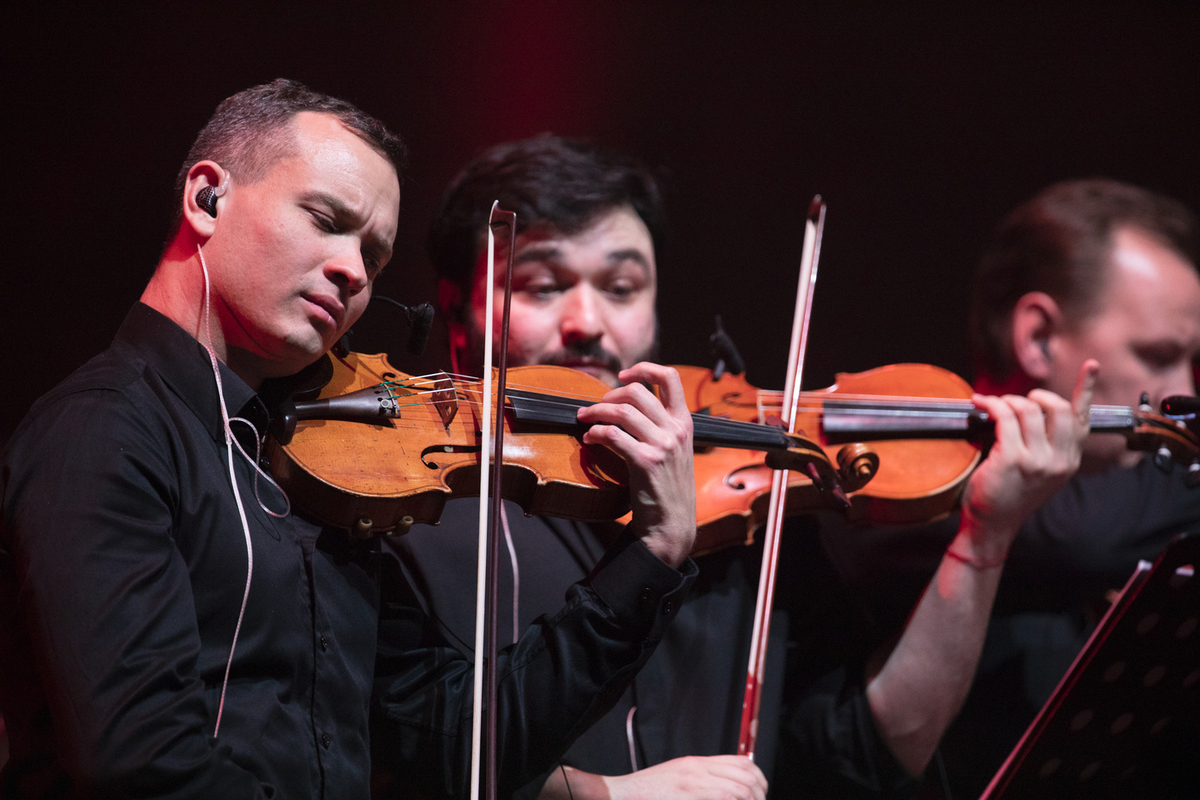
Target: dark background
<point>921,124</point>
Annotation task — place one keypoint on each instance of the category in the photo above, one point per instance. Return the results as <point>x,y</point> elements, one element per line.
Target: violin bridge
<point>445,399</point>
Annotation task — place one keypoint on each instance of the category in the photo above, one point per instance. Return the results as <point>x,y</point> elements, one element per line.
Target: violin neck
<point>707,431</point>
<point>1113,419</point>
<point>855,421</point>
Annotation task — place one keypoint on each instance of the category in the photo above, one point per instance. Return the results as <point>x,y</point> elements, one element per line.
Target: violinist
<point>584,296</point>
<point>1086,269</point>
<point>169,628</point>
<point>590,227</point>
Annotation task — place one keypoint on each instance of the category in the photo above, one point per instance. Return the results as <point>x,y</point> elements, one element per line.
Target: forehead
<point>1149,287</point>
<point>327,156</point>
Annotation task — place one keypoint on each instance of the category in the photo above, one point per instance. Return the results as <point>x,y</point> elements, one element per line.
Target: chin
<point>305,349</point>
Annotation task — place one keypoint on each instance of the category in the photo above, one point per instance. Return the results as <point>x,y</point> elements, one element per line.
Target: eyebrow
<point>630,254</point>
<point>552,253</point>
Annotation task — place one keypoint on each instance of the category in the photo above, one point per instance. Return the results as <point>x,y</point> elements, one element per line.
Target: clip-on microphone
<point>420,323</point>
<point>725,352</point>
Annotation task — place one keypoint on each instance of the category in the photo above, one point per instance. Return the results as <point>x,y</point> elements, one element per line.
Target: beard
<point>575,354</point>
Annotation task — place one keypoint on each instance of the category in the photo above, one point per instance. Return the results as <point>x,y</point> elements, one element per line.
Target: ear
<point>1036,323</point>
<point>201,175</point>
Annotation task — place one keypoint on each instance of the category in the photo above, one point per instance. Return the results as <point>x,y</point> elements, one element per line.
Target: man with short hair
<point>1086,269</point>
<point>164,632</point>
<point>584,291</point>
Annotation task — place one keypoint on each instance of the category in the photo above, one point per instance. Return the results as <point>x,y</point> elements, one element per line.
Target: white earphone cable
<point>230,442</point>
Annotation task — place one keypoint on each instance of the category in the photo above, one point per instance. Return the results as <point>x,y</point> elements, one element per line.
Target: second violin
<point>914,422</point>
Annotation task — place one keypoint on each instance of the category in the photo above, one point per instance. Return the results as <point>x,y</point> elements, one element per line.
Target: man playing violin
<point>168,627</point>
<point>1086,269</point>
<point>584,292</point>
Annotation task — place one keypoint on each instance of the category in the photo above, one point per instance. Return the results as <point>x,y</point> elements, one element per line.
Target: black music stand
<point>1129,700</point>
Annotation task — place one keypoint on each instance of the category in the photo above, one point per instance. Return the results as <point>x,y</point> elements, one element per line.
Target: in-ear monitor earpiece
<point>206,198</point>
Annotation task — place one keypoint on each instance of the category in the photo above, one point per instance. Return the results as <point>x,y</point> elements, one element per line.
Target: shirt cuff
<point>639,587</point>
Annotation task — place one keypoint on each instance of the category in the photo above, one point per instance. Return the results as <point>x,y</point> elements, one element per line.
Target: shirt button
<point>324,644</point>
<point>325,740</point>
<point>645,597</point>
<point>668,606</point>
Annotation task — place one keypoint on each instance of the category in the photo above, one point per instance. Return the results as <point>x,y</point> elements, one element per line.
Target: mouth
<point>587,357</point>
<point>328,309</point>
<point>597,369</point>
<point>586,366</point>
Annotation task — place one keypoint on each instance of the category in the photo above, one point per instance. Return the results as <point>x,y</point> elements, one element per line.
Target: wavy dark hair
<point>1059,243</point>
<point>549,181</point>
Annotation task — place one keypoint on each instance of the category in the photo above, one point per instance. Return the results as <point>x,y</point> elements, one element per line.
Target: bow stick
<point>486,573</point>
<point>813,228</point>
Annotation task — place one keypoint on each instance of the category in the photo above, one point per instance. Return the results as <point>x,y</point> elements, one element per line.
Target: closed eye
<point>324,222</point>
<point>1160,356</point>
<point>622,290</point>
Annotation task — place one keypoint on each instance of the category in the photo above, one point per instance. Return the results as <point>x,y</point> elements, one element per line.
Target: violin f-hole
<point>446,448</point>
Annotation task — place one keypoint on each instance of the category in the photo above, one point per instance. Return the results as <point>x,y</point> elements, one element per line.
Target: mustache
<point>590,352</point>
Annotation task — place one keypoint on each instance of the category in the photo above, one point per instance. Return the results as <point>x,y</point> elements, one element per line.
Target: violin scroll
<point>857,464</point>
<point>1171,436</point>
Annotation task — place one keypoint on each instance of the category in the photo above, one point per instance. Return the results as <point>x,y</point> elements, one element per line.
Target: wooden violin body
<point>390,472</point>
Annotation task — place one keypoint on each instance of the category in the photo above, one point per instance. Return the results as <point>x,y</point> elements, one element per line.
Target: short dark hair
<point>249,132</point>
<point>549,181</point>
<point>1059,243</point>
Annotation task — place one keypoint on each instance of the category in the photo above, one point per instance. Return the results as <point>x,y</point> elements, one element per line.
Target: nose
<point>581,318</point>
<point>348,269</point>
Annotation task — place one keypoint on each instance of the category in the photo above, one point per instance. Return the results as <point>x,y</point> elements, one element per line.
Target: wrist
<point>981,544</point>
<point>670,548</point>
<point>976,563</point>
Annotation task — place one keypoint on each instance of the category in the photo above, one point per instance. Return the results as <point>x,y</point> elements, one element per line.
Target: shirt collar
<point>183,364</point>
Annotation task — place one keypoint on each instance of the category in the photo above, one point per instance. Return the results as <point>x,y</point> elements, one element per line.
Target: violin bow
<point>814,226</point>
<point>488,569</point>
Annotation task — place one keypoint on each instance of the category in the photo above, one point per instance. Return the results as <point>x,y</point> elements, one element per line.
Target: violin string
<point>569,400</point>
<point>470,389</point>
<point>807,399</point>
<point>915,406</point>
<point>565,400</point>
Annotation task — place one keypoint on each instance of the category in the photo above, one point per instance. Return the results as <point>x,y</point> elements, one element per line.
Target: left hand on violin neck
<point>655,438</point>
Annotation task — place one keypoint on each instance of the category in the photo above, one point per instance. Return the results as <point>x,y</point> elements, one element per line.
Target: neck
<point>176,290</point>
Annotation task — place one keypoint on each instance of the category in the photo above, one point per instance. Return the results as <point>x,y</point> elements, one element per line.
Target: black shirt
<point>688,698</point>
<point>122,571</point>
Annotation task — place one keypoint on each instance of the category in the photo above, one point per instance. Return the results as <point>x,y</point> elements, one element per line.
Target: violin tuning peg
<point>1193,475</point>
<point>815,476</point>
<point>1162,458</point>
<point>839,496</point>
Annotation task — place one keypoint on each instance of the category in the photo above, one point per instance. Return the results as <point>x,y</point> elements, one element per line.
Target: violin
<point>378,450</point>
<point>914,422</point>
